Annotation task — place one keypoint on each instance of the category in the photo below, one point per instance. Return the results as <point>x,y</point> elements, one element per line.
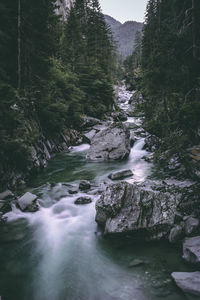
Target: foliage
<point>171,68</point>
<point>52,71</point>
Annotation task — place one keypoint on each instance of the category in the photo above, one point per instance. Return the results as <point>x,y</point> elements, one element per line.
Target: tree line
<point>52,71</point>
<point>169,74</point>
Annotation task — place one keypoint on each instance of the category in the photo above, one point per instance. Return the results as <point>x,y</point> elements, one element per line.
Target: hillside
<point>124,34</point>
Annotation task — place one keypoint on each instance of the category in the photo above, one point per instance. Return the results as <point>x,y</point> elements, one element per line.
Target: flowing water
<point>59,252</point>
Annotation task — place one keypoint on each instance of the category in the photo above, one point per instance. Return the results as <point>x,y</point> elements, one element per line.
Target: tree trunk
<point>19,44</point>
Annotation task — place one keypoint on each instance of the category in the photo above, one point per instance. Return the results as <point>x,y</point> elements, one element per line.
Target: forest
<point>52,72</point>
<point>99,150</point>
<point>165,67</point>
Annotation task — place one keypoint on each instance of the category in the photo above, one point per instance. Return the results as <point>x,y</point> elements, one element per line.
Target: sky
<point>124,10</point>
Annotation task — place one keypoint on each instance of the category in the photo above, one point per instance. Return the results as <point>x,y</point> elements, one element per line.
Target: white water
<point>73,260</point>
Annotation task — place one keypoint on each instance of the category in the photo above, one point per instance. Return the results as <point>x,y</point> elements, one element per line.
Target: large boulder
<point>188,282</point>
<point>28,202</point>
<point>111,143</point>
<point>191,250</point>
<point>144,212</point>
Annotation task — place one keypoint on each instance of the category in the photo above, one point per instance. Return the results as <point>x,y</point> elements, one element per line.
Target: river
<point>59,253</point>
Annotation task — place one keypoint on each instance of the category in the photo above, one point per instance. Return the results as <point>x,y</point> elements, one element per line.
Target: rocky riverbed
<point>50,238</point>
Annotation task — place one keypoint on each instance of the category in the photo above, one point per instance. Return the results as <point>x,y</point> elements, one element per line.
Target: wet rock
<point>133,138</point>
<point>152,143</point>
<point>89,122</point>
<point>28,202</point>
<point>178,218</point>
<point>144,212</point>
<point>111,143</point>
<point>131,125</point>
<point>191,226</point>
<point>88,136</point>
<point>83,200</point>
<point>5,206</point>
<point>84,185</point>
<point>191,250</point>
<point>188,282</point>
<point>119,116</point>
<point>120,174</point>
<point>176,234</point>
<point>136,263</point>
<point>6,194</point>
<point>72,191</point>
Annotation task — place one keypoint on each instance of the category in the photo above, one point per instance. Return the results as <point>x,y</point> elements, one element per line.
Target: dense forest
<point>52,72</point>
<point>165,66</point>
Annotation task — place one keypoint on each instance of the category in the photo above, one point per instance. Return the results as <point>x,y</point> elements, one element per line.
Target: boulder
<point>88,136</point>
<point>119,116</point>
<point>152,143</point>
<point>84,185</point>
<point>120,174</point>
<point>28,202</point>
<point>111,143</point>
<point>191,225</point>
<point>6,194</point>
<point>83,200</point>
<point>89,122</point>
<point>188,282</point>
<point>144,212</point>
<point>73,191</point>
<point>176,234</point>
<point>191,250</point>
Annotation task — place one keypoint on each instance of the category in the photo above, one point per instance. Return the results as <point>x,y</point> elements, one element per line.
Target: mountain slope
<point>124,34</point>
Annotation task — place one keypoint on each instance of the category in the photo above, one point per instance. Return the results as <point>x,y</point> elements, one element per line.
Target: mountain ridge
<point>124,34</point>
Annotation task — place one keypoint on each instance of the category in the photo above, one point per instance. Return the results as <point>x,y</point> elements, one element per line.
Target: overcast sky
<point>124,10</point>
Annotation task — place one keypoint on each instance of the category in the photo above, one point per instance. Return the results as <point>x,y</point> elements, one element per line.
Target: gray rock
<point>83,200</point>
<point>152,143</point>
<point>111,143</point>
<point>139,210</point>
<point>119,116</point>
<point>84,185</point>
<point>120,174</point>
<point>88,136</point>
<point>89,122</point>
<point>28,202</point>
<point>72,191</point>
<point>188,282</point>
<point>191,226</point>
<point>131,125</point>
<point>136,263</point>
<point>6,194</point>
<point>191,250</point>
<point>176,234</point>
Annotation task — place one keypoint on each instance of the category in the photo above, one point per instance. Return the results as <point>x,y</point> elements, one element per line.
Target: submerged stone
<point>136,263</point>
<point>120,174</point>
<point>84,185</point>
